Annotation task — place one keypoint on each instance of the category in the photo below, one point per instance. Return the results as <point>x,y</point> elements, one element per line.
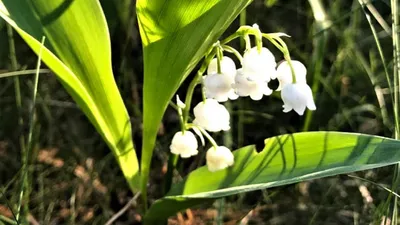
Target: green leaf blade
<point>78,50</point>
<point>285,159</point>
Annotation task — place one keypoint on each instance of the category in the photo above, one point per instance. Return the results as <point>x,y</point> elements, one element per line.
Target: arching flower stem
<point>242,32</point>
<point>247,42</point>
<point>233,51</point>
<point>275,43</point>
<point>196,80</point>
<point>288,59</point>
<point>181,121</point>
<point>281,45</point>
<point>205,133</point>
<point>219,57</point>
<point>258,37</point>
<point>286,55</point>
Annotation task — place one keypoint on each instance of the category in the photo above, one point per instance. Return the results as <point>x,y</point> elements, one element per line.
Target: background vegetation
<point>74,179</point>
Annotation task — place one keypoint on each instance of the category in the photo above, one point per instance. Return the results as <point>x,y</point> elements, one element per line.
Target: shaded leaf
<point>284,160</point>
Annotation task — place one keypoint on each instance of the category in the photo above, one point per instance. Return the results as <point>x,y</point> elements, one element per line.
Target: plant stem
<point>18,102</point>
<point>396,81</point>
<point>220,215</point>
<point>242,31</point>
<point>7,220</point>
<point>23,72</point>
<point>393,93</point>
<point>189,94</point>
<point>219,59</point>
<point>322,23</point>
<point>194,82</point>
<point>25,167</point>
<point>172,162</point>
<point>281,45</point>
<point>9,206</point>
<point>396,60</point>
<point>240,123</point>
<point>289,61</point>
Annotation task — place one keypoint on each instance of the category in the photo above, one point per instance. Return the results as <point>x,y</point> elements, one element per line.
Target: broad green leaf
<point>78,51</point>
<point>175,36</point>
<point>284,160</point>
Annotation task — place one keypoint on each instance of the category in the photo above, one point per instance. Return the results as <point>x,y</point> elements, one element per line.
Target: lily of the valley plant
<point>225,81</point>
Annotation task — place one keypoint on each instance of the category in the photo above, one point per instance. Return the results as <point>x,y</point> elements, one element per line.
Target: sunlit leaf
<point>78,51</point>
<point>285,159</point>
<point>175,36</point>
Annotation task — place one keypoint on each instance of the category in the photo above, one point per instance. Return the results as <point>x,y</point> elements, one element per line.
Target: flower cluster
<point>209,116</point>
<point>224,81</point>
<point>258,69</point>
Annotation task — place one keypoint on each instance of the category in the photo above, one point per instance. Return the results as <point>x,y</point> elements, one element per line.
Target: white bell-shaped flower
<point>255,89</point>
<point>211,115</point>
<point>259,66</point>
<point>297,96</point>
<point>218,158</point>
<point>219,86</point>
<point>228,66</point>
<point>284,73</point>
<point>184,144</point>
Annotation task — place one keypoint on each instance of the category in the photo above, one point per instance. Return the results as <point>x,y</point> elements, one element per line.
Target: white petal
<point>232,95</point>
<point>297,96</point>
<point>310,100</point>
<point>311,104</point>
<point>254,89</point>
<point>284,73</point>
<point>242,86</point>
<point>256,96</point>
<point>287,108</point>
<point>280,86</point>
<point>219,158</point>
<point>211,116</point>
<point>299,109</point>
<point>218,86</point>
<point>179,102</point>
<point>221,98</point>
<point>258,66</point>
<point>265,89</point>
<point>227,66</point>
<point>184,144</point>
<point>274,74</point>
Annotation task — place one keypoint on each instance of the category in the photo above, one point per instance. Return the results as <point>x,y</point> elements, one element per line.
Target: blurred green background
<point>74,178</point>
